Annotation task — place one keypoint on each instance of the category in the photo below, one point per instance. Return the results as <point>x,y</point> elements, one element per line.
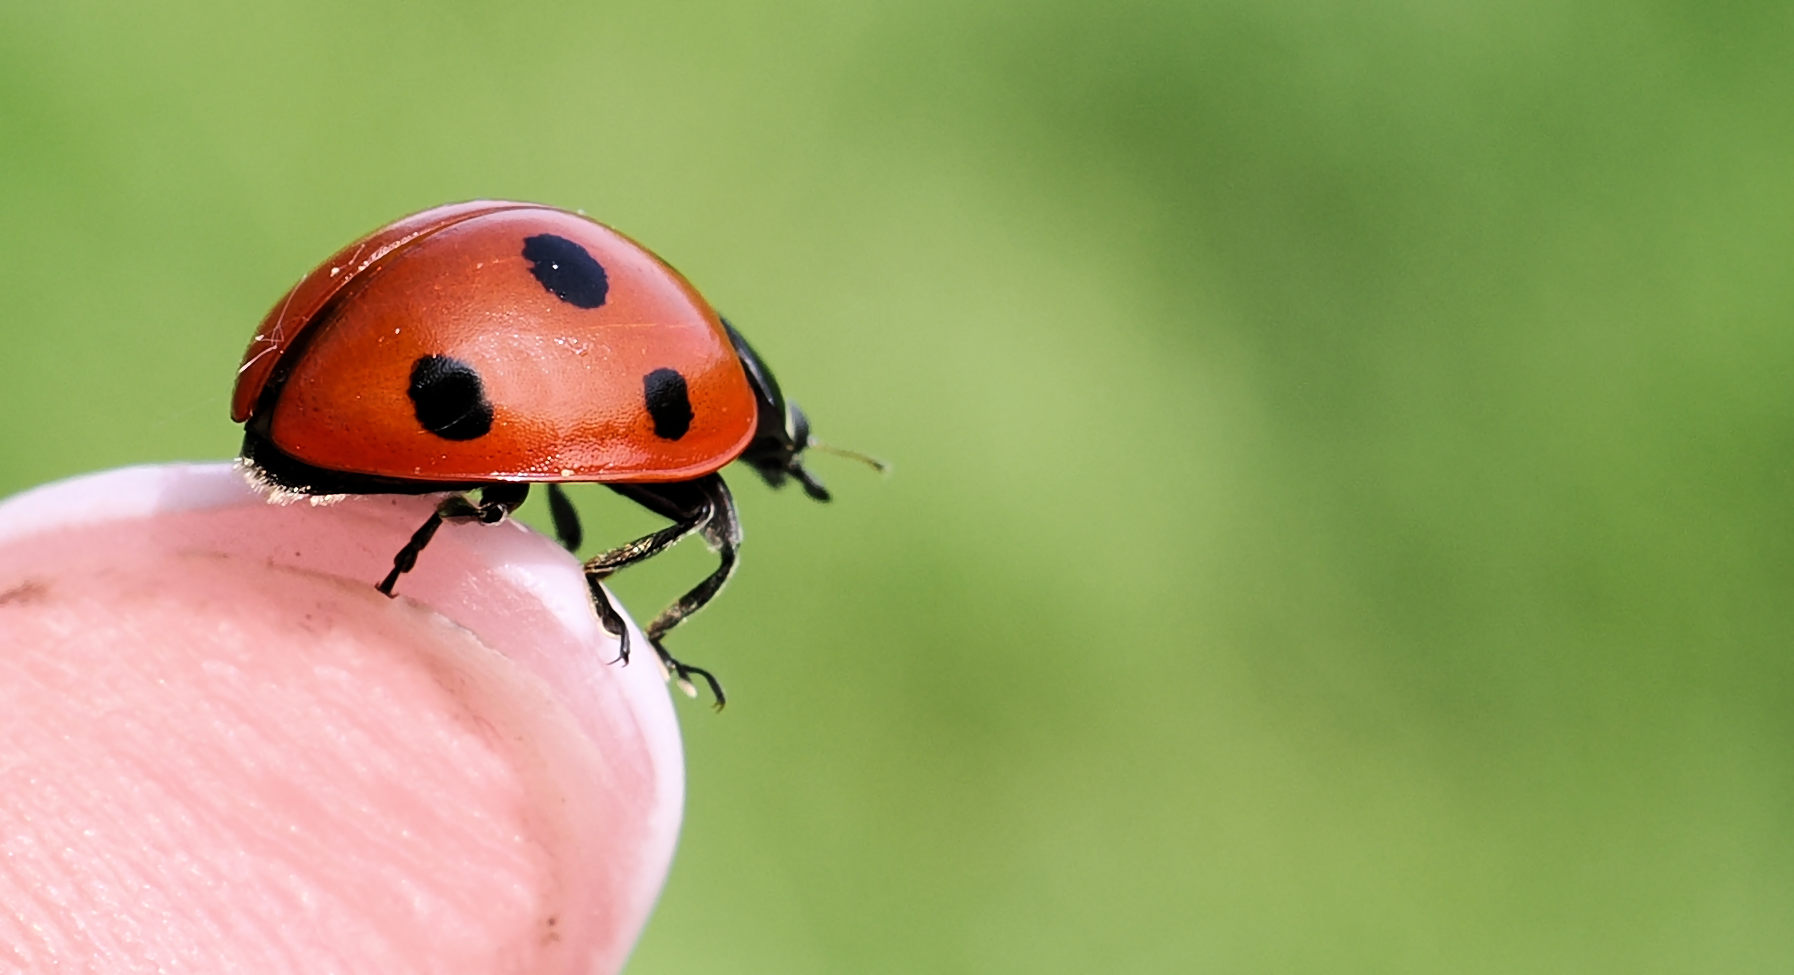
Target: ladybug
<point>492,345</point>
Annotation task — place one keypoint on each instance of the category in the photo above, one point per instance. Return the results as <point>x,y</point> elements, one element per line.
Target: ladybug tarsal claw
<point>622,656</point>
<point>682,674</point>
<point>608,617</point>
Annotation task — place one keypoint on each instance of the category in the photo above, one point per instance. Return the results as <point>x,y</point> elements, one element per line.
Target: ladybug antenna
<point>797,436</point>
<point>870,461</point>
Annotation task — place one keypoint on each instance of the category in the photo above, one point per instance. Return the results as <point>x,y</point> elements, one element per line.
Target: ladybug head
<point>778,446</point>
<point>782,432</point>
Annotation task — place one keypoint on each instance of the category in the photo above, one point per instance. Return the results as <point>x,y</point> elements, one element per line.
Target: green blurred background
<point>1341,519</point>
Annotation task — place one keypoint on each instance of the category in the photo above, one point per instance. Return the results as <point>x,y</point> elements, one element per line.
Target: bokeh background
<point>1341,519</point>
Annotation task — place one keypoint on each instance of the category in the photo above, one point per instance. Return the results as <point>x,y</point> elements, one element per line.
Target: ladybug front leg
<point>601,567</point>
<point>722,532</point>
<point>706,506</point>
<point>496,504</point>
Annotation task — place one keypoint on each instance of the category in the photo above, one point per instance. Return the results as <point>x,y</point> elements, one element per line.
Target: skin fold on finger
<point>222,750</point>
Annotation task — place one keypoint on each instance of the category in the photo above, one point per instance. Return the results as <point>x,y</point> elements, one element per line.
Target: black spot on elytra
<point>669,403</point>
<point>449,399</point>
<point>567,270</point>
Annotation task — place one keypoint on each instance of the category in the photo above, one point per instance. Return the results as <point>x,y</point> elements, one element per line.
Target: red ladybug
<point>492,345</point>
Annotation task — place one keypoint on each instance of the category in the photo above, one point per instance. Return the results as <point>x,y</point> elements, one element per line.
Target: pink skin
<point>222,750</point>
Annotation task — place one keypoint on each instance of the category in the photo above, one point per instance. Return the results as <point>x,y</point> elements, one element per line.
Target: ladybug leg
<point>566,520</point>
<point>683,673</point>
<point>706,506</point>
<point>722,532</point>
<point>495,505</point>
<point>601,567</point>
<point>609,618</point>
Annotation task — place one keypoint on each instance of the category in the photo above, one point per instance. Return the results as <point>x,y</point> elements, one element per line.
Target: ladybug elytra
<point>492,345</point>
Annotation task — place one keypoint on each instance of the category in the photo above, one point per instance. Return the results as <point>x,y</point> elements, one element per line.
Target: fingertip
<point>216,712</point>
